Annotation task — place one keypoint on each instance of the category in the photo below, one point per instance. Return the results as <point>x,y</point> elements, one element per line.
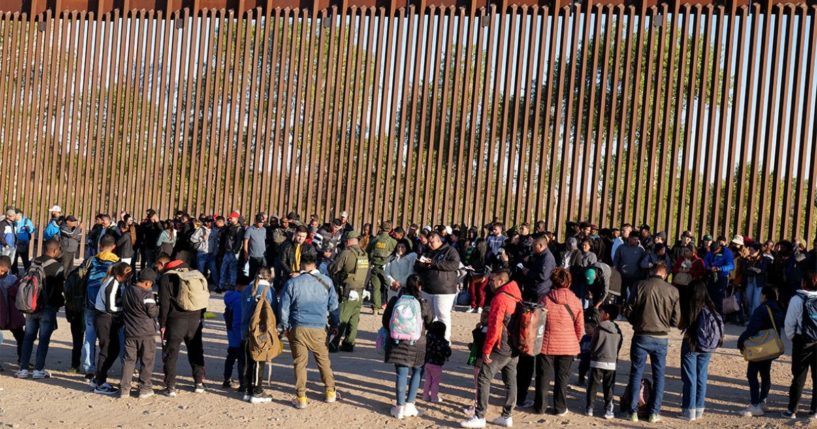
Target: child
<point>438,351</point>
<point>475,356</point>
<point>139,311</point>
<point>232,320</point>
<point>253,391</point>
<point>604,349</point>
<point>14,320</point>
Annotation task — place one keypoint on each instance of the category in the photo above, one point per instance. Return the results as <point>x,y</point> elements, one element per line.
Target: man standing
<point>380,249</point>
<point>496,241</point>
<point>307,303</point>
<point>721,262</point>
<point>70,235</point>
<point>349,272</point>
<point>628,262</point>
<point>652,309</point>
<point>229,248</point>
<point>213,243</point>
<point>537,271</point>
<point>178,325</point>
<point>25,230</point>
<point>289,256</point>
<point>437,268</point>
<point>626,230</point>
<point>53,227</point>
<point>151,230</point>
<point>43,320</point>
<point>497,354</point>
<point>255,244</point>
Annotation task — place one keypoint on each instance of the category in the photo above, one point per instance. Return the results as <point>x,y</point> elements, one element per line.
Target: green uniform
<point>349,271</point>
<point>380,248</point>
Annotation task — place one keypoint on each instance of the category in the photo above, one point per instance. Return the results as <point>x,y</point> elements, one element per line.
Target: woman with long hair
<point>703,330</point>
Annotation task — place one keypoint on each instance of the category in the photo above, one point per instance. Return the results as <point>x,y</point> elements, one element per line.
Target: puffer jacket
<point>503,306</point>
<point>406,353</point>
<point>439,278</point>
<point>563,331</point>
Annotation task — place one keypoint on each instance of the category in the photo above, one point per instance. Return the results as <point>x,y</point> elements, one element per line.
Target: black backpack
<point>75,287</point>
<point>809,326</point>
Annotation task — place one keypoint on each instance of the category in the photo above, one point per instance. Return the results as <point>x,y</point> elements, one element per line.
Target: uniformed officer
<point>349,272</point>
<point>380,249</point>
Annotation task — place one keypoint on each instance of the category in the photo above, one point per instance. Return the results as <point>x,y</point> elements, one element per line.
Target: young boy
<point>139,312</point>
<point>15,321</point>
<point>604,349</point>
<point>232,320</point>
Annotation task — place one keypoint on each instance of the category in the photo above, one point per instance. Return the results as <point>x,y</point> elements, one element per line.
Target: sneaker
<point>654,418</point>
<point>227,384</point>
<point>346,347</point>
<point>409,410</point>
<point>471,310</point>
<point>633,417</point>
<point>789,414</point>
<point>688,415</point>
<point>92,384</point>
<point>527,404</point>
<point>397,412</point>
<point>331,396</point>
<point>260,399</point>
<point>505,422</point>
<point>41,374</point>
<point>300,402</point>
<point>469,411</point>
<point>558,413</point>
<point>106,389</point>
<point>609,414</point>
<point>199,388</point>
<point>23,373</point>
<point>473,422</point>
<point>144,394</point>
<point>479,310</point>
<point>699,413</point>
<point>169,392</point>
<point>588,412</point>
<point>753,411</point>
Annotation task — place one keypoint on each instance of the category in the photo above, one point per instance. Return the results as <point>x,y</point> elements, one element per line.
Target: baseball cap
<point>590,275</point>
<point>71,218</point>
<point>148,274</point>
<point>344,214</point>
<point>55,209</point>
<point>235,215</point>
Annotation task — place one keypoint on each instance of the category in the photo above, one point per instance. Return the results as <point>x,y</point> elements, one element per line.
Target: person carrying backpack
<point>139,311</point>
<point>250,297</point>
<point>47,277</point>
<point>183,299</point>
<point>406,316</point>
<point>801,329</point>
<point>703,333</point>
<point>97,270</point>
<point>308,301</point>
<point>109,324</point>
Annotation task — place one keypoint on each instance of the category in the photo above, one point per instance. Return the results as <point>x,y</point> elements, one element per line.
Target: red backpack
<point>30,290</point>
<point>526,329</point>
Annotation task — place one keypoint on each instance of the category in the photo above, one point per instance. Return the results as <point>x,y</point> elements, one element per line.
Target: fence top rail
<point>98,8</point>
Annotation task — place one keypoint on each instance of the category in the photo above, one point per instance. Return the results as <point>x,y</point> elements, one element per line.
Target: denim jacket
<point>308,301</point>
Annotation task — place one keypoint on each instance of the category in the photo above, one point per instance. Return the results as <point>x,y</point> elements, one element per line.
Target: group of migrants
<point>543,304</point>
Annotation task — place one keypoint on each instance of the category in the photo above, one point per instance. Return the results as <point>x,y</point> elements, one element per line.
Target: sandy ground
<point>366,389</point>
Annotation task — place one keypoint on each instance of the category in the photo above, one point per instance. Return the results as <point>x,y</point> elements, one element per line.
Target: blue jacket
<point>723,260</point>
<point>53,229</point>
<point>25,230</point>
<point>233,317</point>
<point>96,275</point>
<point>307,302</point>
<point>248,301</point>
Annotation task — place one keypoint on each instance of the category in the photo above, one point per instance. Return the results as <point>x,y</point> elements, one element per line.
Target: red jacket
<point>562,332</point>
<point>696,270</point>
<point>502,308</point>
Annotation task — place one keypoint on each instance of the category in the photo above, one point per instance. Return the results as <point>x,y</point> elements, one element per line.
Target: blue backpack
<point>710,331</point>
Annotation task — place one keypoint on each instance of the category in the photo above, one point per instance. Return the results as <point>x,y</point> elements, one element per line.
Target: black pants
<point>19,334</point>
<point>524,376</point>
<point>605,378</point>
<point>255,265</point>
<point>149,255</point>
<point>234,354</point>
<point>759,390</point>
<point>77,322</point>
<point>546,368</point>
<point>499,363</point>
<point>107,332</point>
<point>803,358</point>
<point>187,329</point>
<point>254,371</point>
<point>22,254</point>
<point>144,350</point>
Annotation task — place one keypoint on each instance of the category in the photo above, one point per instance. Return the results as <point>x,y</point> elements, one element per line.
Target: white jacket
<point>400,268</point>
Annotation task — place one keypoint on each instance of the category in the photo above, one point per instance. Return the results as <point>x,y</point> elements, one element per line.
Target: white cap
<point>55,209</point>
<point>344,214</point>
<point>448,230</point>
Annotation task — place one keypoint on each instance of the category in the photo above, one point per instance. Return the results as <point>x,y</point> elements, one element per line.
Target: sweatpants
<point>143,349</point>
<point>187,329</point>
<point>107,331</point>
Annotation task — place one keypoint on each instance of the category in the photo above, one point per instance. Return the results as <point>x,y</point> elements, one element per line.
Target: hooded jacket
<point>503,306</point>
<point>96,275</point>
<point>653,307</point>
<point>605,345</point>
<point>139,310</point>
<point>233,317</point>
<point>563,331</point>
<point>439,278</point>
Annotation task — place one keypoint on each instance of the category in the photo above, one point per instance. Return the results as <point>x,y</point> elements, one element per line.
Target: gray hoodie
<point>605,345</point>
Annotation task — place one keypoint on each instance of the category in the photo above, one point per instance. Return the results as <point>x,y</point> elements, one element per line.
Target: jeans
<point>694,372</point>
<point>505,364</point>
<point>201,262</point>
<point>803,358</point>
<point>753,294</point>
<point>213,267</point>
<point>43,322</point>
<point>89,348</point>
<point>441,306</point>
<point>656,349</point>
<point>229,271</point>
<point>759,391</point>
<point>407,389</point>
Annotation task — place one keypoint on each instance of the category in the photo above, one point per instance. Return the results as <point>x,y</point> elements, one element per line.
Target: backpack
<point>645,399</point>
<point>406,322</point>
<point>193,294</point>
<point>809,328</point>
<point>30,291</point>
<point>526,329</point>
<point>75,288</point>
<point>262,341</point>
<point>709,334</point>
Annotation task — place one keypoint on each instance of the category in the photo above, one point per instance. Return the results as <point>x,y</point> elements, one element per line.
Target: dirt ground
<point>365,386</point>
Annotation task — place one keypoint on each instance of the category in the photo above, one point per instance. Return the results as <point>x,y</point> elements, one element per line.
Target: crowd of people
<point>307,282</point>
